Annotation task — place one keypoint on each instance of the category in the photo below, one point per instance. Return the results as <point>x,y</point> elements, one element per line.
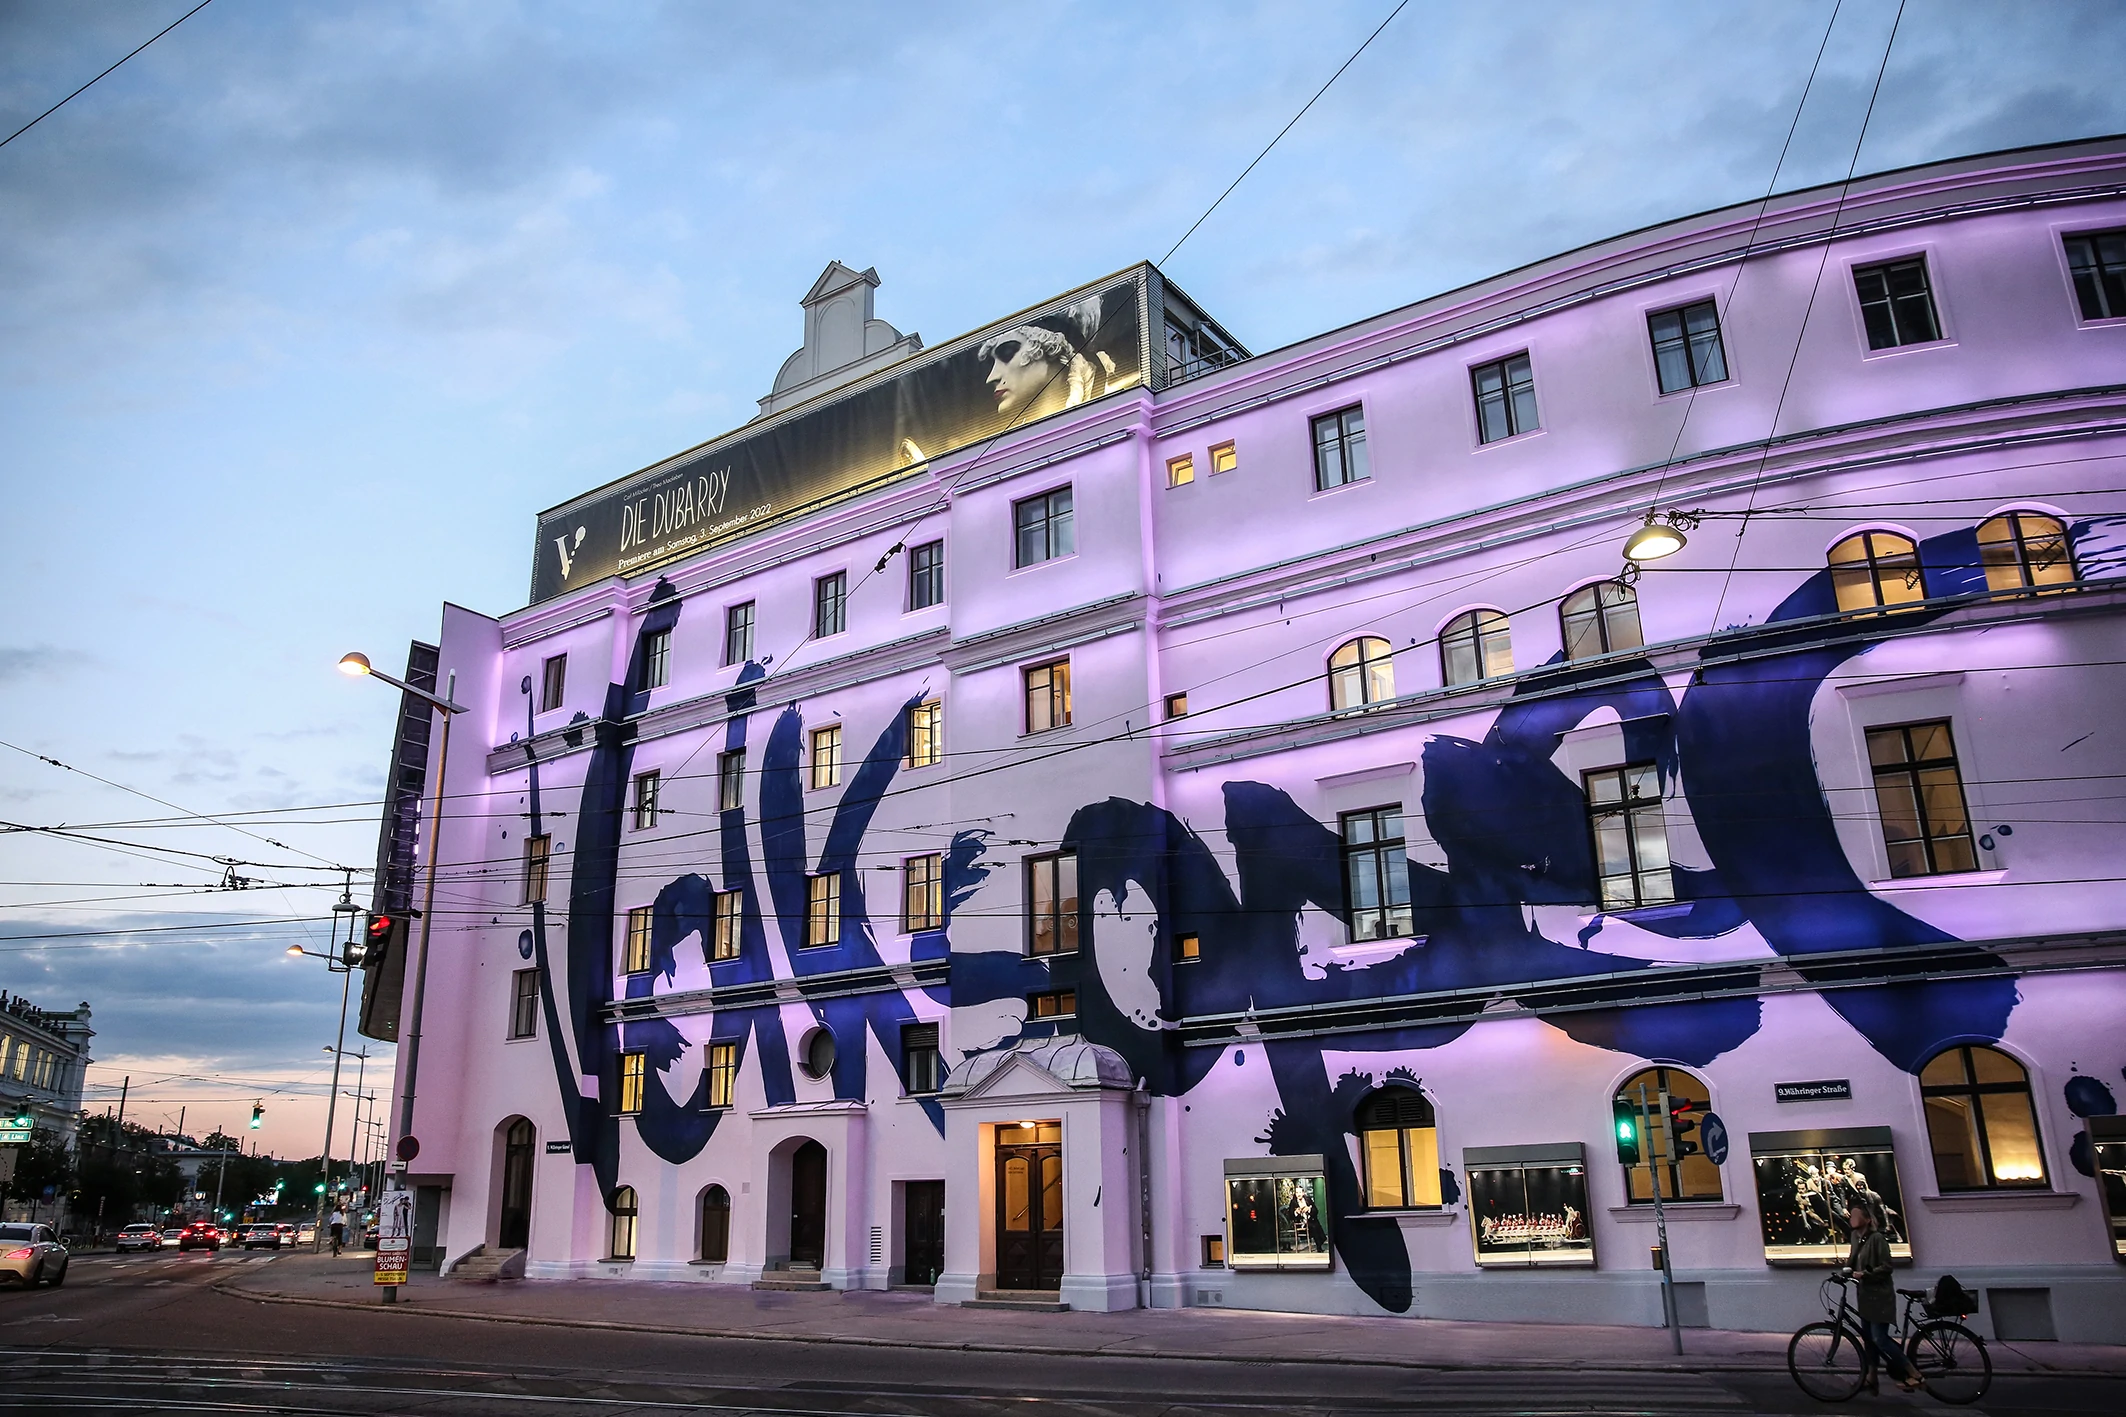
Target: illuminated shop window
<point>1181,471</point>
<point>1981,1121</point>
<point>1340,449</point>
<point>1528,1205</point>
<point>1048,696</point>
<point>524,1003</point>
<point>2098,260</point>
<point>738,633</point>
<point>922,1066</point>
<point>730,910</point>
<point>1630,837</point>
<point>1505,398</point>
<point>1873,569</point>
<point>538,856</point>
<point>1399,1144</point>
<point>1044,527</point>
<point>2024,550</point>
<point>723,1074</point>
<point>922,893</point>
<point>1476,645</point>
<point>656,659</point>
<point>1362,671</point>
<point>1695,1179</point>
<point>1687,349</point>
<point>1276,1213</point>
<point>631,1074</point>
<point>1920,795</point>
<point>1808,1180</point>
<point>826,756</point>
<point>622,1234</point>
<point>715,1225</point>
<point>648,786</point>
<point>926,734</point>
<point>1376,878</point>
<point>1600,618</point>
<point>1224,458</point>
<point>830,605</point>
<point>1052,904</point>
<point>636,960</point>
<point>926,575</point>
<point>553,683</point>
<point>1052,1003</point>
<point>731,780</point>
<point>823,909</point>
<point>1896,303</point>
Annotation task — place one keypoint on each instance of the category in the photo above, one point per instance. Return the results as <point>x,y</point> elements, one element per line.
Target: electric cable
<point>106,73</point>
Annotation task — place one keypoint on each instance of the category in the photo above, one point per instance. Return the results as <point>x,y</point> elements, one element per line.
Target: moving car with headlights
<point>139,1237</point>
<point>31,1254</point>
<point>199,1235</point>
<point>263,1236</point>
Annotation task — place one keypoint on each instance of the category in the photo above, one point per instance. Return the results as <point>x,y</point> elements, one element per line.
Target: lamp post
<point>358,665</point>
<point>342,965</point>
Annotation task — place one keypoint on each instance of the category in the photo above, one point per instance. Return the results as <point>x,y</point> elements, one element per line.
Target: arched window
<point>1871,569</point>
<point>1476,645</point>
<point>715,1225</point>
<point>623,1236</point>
<point>1695,1178</point>
<point>1400,1145</point>
<point>1600,618</point>
<point>1980,1120</point>
<point>2021,550</point>
<point>1361,672</point>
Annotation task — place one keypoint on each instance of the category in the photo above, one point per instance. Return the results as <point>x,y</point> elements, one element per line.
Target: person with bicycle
<point>1876,1301</point>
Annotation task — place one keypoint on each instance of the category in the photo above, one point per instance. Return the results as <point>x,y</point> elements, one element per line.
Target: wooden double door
<point>808,1206</point>
<point>923,1232</point>
<point>517,1149</point>
<point>1029,1187</point>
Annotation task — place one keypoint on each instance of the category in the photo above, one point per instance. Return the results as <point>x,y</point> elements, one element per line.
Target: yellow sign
<point>392,1254</point>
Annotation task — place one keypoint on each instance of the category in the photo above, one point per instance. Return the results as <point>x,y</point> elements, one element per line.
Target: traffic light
<point>1625,1117</point>
<point>320,1188</point>
<point>381,933</point>
<point>1681,1120</point>
<point>258,1115</point>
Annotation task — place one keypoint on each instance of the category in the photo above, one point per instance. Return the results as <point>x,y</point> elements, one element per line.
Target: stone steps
<point>484,1266</point>
<point>792,1281</point>
<point>1025,1301</point>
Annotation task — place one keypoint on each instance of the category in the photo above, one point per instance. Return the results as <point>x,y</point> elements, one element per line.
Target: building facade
<point>1225,829</point>
<point>44,1060</point>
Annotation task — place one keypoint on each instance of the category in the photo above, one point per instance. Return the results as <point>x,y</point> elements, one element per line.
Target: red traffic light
<point>380,928</point>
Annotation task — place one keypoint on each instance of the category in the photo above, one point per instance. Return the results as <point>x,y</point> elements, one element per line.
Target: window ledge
<point>1412,1219</point>
<point>2002,1199</point>
<point>1946,878</point>
<point>618,1259</point>
<point>1676,1210</point>
<point>707,1264</point>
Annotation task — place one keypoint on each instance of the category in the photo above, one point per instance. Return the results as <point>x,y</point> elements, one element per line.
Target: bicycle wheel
<point>1827,1361</point>
<point>1952,1361</point>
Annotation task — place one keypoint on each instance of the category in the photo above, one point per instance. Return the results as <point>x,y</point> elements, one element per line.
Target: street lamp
<point>357,665</point>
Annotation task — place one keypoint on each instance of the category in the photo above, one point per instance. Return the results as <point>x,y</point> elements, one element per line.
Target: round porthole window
<point>816,1054</point>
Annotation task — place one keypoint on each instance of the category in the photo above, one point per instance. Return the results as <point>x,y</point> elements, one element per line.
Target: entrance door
<point>808,1206</point>
<point>923,1232</point>
<point>1029,1184</point>
<point>515,1233</point>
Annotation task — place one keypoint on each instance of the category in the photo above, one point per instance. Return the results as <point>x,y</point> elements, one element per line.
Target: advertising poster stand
<point>2107,1150</point>
<point>394,1241</point>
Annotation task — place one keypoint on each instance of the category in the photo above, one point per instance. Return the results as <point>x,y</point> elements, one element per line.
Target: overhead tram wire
<point>105,74</point>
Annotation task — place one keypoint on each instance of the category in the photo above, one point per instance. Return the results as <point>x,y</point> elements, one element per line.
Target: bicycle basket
<point>1950,1300</point>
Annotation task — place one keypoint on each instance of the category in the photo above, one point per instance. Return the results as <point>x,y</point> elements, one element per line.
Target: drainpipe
<point>1142,1099</point>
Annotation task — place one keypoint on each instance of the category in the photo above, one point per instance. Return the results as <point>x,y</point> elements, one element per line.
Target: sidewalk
<point>911,1320</point>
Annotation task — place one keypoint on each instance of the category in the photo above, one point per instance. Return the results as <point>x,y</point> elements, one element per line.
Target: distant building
<point>44,1056</point>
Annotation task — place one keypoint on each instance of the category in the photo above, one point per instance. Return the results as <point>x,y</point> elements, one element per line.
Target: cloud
<point>22,662</point>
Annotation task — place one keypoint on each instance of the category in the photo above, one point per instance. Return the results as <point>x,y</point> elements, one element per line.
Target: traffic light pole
<point>1653,1177</point>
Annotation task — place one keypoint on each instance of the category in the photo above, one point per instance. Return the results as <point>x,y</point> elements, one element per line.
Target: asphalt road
<point>150,1333</point>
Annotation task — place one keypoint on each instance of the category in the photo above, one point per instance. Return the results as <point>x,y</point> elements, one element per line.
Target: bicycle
<point>1830,1361</point>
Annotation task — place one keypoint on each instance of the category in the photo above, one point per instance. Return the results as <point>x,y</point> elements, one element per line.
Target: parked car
<point>306,1233</point>
<point>32,1254</point>
<point>199,1235</point>
<point>139,1237</point>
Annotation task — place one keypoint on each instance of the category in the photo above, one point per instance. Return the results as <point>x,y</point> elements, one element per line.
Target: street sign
<point>12,1135</point>
<point>1714,1133</point>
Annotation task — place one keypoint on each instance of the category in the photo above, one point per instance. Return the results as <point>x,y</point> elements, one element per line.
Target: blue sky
<point>306,311</point>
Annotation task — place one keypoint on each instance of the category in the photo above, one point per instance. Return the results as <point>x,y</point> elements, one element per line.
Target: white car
<point>139,1237</point>
<point>306,1233</point>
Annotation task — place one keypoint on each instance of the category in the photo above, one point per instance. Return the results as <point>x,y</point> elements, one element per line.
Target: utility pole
<point>1653,1175</point>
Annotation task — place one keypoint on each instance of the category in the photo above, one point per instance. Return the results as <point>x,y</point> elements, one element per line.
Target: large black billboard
<point>1078,348</point>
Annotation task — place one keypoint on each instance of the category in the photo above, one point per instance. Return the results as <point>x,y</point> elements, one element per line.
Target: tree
<point>40,1163</point>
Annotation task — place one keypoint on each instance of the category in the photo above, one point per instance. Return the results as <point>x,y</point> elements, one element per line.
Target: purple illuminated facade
<point>1233,840</point>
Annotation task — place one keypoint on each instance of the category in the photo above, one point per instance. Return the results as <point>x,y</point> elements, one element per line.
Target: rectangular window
<point>1687,349</point>
<point>1340,449</point>
<point>826,756</point>
<point>538,855</point>
<point>723,1074</point>
<point>738,633</point>
<point>1630,836</point>
<point>2098,260</point>
<point>1181,471</point>
<point>647,786</point>
<point>1505,398</point>
<point>731,780</point>
<point>922,1069</point>
<point>1188,947</point>
<point>926,575</point>
<point>1920,794</point>
<point>730,911</point>
<point>1044,528</point>
<point>524,1003</point>
<point>1052,904</point>
<point>636,959</point>
<point>1376,880</point>
<point>926,734</point>
<point>922,893</point>
<point>1048,696</point>
<point>823,909</point>
<point>634,1068</point>
<point>830,605</point>
<point>1224,458</point>
<point>1896,303</point>
<point>1177,705</point>
<point>656,659</point>
<point>1053,1003</point>
<point>553,683</point>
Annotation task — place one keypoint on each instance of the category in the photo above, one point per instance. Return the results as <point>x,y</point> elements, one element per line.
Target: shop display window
<point>1528,1205</point>
<point>2107,1143</point>
<point>1808,1180</point>
<point>1277,1213</point>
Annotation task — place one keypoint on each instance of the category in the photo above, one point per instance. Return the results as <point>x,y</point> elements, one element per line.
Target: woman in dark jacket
<point>1876,1302</point>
